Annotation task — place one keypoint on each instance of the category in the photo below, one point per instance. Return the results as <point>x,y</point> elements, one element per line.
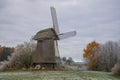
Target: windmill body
<point>47,54</point>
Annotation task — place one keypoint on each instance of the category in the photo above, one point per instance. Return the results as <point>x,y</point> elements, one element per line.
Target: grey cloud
<point>3,4</point>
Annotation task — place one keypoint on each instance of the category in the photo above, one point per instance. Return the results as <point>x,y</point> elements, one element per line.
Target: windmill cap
<point>48,33</point>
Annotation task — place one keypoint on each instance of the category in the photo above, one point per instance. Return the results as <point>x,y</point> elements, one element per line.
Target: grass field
<point>57,75</point>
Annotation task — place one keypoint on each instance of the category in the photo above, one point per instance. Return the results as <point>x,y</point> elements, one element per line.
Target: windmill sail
<point>57,55</point>
<point>54,19</point>
<point>67,35</point>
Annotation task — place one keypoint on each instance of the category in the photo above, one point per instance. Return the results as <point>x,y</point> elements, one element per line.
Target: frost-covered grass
<point>57,75</point>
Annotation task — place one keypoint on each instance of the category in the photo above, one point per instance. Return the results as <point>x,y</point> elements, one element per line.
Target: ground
<point>57,75</point>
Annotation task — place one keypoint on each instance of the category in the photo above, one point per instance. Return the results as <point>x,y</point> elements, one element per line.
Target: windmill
<point>47,54</point>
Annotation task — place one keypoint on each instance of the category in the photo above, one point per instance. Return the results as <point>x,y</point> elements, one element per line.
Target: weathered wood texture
<point>45,52</point>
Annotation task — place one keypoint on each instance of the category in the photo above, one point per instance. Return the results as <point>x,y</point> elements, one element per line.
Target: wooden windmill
<point>47,54</point>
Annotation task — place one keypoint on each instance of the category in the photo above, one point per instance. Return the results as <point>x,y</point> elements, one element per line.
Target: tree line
<point>103,57</point>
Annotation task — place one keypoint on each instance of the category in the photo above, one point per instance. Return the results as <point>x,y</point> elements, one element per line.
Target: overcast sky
<point>92,19</point>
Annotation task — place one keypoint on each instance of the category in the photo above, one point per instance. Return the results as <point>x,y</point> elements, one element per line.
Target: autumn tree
<point>90,55</point>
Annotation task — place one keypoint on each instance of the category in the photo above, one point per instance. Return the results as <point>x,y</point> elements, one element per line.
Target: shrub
<point>116,69</point>
<point>21,58</point>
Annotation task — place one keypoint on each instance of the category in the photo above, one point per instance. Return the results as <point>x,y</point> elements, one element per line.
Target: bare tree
<point>116,68</point>
<point>108,55</point>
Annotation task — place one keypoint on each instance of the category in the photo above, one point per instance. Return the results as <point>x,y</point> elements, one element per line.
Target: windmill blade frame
<point>54,20</point>
<point>67,35</point>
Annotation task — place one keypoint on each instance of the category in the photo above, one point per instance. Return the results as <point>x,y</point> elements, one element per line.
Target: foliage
<point>22,57</point>
<point>90,55</point>
<point>106,56</point>
<point>5,52</point>
<point>64,59</point>
<point>69,61</point>
<point>0,52</point>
